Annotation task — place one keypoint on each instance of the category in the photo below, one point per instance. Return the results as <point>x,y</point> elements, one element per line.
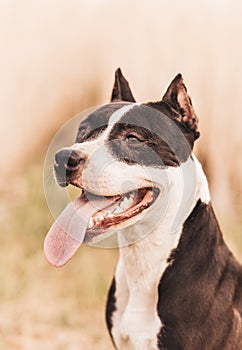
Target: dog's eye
<point>133,138</point>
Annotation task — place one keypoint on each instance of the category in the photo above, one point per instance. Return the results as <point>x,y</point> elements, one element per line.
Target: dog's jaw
<point>179,190</point>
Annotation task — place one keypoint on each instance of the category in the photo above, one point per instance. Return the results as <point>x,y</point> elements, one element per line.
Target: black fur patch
<point>110,306</point>
<point>148,137</point>
<point>97,122</point>
<point>198,292</point>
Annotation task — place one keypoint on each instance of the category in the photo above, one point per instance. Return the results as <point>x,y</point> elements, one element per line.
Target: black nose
<point>68,158</point>
<point>67,162</point>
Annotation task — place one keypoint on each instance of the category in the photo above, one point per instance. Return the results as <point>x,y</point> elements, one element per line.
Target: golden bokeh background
<point>58,57</point>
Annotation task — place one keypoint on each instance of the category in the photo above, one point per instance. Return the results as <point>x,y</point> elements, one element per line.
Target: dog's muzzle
<point>68,163</point>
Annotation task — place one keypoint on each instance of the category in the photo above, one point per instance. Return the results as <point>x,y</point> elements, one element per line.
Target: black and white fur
<point>176,285</point>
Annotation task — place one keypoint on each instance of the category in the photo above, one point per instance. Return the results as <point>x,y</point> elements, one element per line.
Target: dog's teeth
<point>118,210</point>
<point>110,212</point>
<point>90,223</point>
<point>125,203</point>
<point>100,217</point>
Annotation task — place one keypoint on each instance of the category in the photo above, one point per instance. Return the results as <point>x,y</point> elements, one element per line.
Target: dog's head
<point>117,160</point>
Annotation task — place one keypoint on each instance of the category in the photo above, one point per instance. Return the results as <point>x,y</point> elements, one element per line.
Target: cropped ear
<point>176,97</point>
<point>121,90</point>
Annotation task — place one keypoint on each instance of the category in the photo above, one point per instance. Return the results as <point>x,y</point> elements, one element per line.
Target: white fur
<point>117,115</point>
<point>202,184</point>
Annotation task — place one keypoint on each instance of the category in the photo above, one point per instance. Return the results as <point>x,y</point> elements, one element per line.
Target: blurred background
<point>57,58</point>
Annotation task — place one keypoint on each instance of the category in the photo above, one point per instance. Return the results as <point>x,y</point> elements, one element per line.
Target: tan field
<point>58,58</point>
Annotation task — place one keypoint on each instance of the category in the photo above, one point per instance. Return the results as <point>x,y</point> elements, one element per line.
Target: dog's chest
<point>136,330</point>
<point>136,323</point>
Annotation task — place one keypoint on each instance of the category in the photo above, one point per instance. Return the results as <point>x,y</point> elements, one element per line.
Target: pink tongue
<point>68,231</point>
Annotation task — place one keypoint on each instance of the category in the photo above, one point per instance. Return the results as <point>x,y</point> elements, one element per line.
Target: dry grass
<point>44,307</point>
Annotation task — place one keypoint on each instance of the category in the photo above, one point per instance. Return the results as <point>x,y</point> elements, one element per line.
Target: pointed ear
<point>121,90</point>
<point>176,96</point>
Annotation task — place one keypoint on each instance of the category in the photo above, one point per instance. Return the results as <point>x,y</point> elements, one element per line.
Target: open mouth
<point>122,208</point>
<point>89,216</point>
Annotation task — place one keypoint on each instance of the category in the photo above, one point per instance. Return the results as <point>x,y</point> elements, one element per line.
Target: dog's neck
<point>162,226</point>
<point>174,273</point>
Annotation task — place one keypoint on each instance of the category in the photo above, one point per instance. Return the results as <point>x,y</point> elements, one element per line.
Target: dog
<point>176,285</point>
